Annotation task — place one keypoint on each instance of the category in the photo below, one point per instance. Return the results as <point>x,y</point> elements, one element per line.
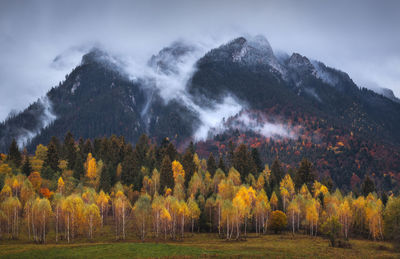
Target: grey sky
<point>361,38</point>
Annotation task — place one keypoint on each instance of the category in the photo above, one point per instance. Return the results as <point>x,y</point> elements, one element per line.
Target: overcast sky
<point>361,38</point>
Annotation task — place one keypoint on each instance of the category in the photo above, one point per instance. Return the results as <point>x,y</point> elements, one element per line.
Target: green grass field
<point>201,245</point>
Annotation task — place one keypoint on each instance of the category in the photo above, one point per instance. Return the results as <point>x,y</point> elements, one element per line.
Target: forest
<point>75,188</point>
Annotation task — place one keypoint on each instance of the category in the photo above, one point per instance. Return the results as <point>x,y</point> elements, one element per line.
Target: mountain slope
<point>288,107</point>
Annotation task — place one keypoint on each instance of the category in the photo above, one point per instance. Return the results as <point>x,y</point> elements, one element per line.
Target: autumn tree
<point>42,212</point>
<point>287,190</point>
<point>274,201</point>
<point>179,179</point>
<point>293,211</point>
<point>92,217</point>
<point>142,212</point>
<point>392,221</point>
<point>194,211</point>
<point>122,208</point>
<point>102,201</point>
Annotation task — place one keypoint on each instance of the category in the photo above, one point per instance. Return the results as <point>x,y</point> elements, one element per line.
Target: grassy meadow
<point>198,245</point>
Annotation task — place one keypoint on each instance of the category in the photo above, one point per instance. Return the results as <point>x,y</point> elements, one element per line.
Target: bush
<point>331,228</point>
<point>278,221</point>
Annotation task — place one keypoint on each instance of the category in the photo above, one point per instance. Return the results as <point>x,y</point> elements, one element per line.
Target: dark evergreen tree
<point>105,178</point>
<point>243,162</point>
<point>231,153</point>
<point>166,176</point>
<point>87,148</point>
<point>188,165</point>
<point>276,174</point>
<point>79,169</point>
<point>191,147</point>
<point>257,160</point>
<point>171,152</point>
<point>81,144</point>
<point>384,198</point>
<point>69,150</point>
<point>14,156</point>
<point>327,181</point>
<point>26,167</point>
<point>368,186</point>
<point>211,164</point>
<point>221,164</point>
<point>129,167</point>
<point>141,149</point>
<point>52,155</point>
<point>48,173</point>
<point>304,174</point>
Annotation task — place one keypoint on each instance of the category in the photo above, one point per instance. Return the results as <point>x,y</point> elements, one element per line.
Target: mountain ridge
<point>238,83</point>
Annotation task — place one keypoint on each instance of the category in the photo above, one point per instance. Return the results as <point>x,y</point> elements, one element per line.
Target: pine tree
<point>26,167</point>
<point>105,178</point>
<point>211,164</point>
<point>141,149</point>
<point>166,176</point>
<point>368,186</point>
<point>276,173</point>
<point>304,174</point>
<point>52,155</point>
<point>69,150</point>
<point>129,167</point>
<point>14,156</point>
<point>188,165</point>
<point>221,164</point>
<point>257,160</point>
<point>241,161</point>
<point>79,169</point>
<point>191,148</point>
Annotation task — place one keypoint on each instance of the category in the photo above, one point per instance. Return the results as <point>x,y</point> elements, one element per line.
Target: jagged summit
<point>250,51</point>
<point>169,58</point>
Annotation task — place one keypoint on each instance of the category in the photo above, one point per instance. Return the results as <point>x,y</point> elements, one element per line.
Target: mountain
<point>286,106</point>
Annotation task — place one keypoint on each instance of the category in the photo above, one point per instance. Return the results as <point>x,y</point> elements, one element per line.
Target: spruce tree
<point>211,164</point>
<point>130,168</point>
<point>304,174</point>
<point>52,155</point>
<point>105,178</point>
<point>166,176</point>
<point>26,167</point>
<point>276,174</point>
<point>221,164</point>
<point>79,169</point>
<point>188,165</point>
<point>368,186</point>
<point>257,160</point>
<point>70,150</point>
<point>14,156</point>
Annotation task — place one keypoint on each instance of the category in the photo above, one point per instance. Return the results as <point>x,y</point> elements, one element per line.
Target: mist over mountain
<point>240,91</point>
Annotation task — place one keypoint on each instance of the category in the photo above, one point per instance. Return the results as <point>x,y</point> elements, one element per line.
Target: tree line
<point>76,188</point>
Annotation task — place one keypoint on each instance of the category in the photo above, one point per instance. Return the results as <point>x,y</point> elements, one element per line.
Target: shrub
<point>278,221</point>
<point>331,228</point>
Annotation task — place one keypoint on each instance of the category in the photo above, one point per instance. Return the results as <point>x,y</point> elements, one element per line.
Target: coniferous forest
<point>75,188</point>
